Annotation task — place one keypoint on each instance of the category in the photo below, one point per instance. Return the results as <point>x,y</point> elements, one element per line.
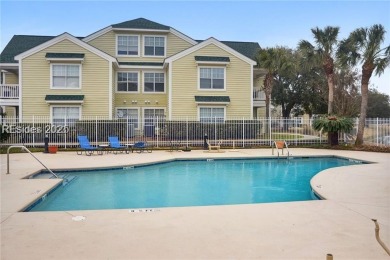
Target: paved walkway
<point>340,225</point>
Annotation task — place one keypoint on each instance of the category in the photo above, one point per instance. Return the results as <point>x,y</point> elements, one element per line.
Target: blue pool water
<point>190,183</point>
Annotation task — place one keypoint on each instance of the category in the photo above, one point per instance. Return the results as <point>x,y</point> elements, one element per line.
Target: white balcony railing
<point>9,91</point>
<point>258,94</point>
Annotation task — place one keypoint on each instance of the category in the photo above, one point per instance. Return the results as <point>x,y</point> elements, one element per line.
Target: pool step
<point>66,177</point>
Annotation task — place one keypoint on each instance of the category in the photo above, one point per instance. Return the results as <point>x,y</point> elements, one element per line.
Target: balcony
<point>258,98</point>
<point>9,94</point>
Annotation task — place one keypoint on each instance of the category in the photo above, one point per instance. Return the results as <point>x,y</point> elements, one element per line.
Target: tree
<point>333,125</point>
<point>273,60</point>
<point>378,104</point>
<point>323,53</point>
<point>364,46</point>
<point>347,97</point>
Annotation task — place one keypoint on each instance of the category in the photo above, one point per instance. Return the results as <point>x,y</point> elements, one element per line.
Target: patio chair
<point>116,146</point>
<point>86,147</point>
<point>142,147</point>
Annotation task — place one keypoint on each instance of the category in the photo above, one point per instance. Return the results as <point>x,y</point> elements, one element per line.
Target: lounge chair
<point>116,146</point>
<point>86,147</point>
<point>142,146</point>
<point>216,147</point>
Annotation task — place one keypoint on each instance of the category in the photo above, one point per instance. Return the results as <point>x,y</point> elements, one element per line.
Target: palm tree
<point>333,125</point>
<point>273,60</point>
<point>323,53</point>
<point>364,46</point>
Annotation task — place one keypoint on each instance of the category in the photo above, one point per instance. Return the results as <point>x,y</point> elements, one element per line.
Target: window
<point>65,76</point>
<point>212,78</point>
<point>154,82</point>
<point>130,114</point>
<point>154,46</point>
<point>128,45</point>
<point>65,115</point>
<point>127,81</point>
<point>212,114</point>
<point>151,114</point>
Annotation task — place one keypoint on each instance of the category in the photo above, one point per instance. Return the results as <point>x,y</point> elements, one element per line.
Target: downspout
<point>170,91</point>
<point>20,91</point>
<point>110,90</point>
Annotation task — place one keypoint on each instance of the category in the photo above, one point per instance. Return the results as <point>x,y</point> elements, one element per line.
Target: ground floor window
<point>65,115</point>
<point>151,115</point>
<point>212,114</point>
<point>130,114</point>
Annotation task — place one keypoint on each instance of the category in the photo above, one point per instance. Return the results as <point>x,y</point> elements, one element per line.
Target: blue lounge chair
<point>142,146</point>
<point>116,145</point>
<point>86,147</point>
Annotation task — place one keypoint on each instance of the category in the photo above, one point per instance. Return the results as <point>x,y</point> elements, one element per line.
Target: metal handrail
<point>27,150</point>
<point>277,148</point>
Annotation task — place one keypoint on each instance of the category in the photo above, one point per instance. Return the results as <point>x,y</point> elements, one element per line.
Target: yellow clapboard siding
<point>36,82</point>
<point>107,43</point>
<point>185,84</point>
<point>11,78</point>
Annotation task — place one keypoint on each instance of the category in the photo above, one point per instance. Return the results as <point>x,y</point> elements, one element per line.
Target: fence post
<point>377,131</point>
<point>187,131</point>
<point>96,130</point>
<point>296,131</point>
<point>127,131</point>
<point>33,135</point>
<point>270,129</point>
<point>158,130</point>
<point>243,132</point>
<point>65,135</point>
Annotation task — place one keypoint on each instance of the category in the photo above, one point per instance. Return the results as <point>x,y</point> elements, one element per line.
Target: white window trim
<point>127,71</point>
<point>138,113</point>
<point>143,82</point>
<point>73,64</point>
<point>116,45</point>
<point>213,67</point>
<point>65,105</point>
<point>154,56</point>
<point>224,111</point>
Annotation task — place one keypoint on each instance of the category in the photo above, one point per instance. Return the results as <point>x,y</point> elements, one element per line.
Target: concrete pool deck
<point>340,225</point>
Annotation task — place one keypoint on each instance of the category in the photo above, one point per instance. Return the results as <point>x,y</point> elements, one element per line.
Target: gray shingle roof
<point>64,97</point>
<point>212,58</point>
<point>65,55</point>
<point>248,49</point>
<point>19,44</point>
<point>141,23</point>
<point>212,99</point>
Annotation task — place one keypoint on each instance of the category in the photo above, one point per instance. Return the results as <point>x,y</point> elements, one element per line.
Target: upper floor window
<point>128,45</point>
<point>212,78</point>
<point>66,76</point>
<point>127,81</point>
<point>154,82</point>
<point>154,46</point>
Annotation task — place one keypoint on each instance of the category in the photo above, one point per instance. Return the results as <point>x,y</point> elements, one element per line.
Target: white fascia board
<point>65,36</point>
<point>204,44</point>
<point>65,101</point>
<point>97,34</point>
<point>65,59</point>
<point>140,30</point>
<point>213,62</point>
<point>140,67</point>
<point>16,65</point>
<point>183,36</point>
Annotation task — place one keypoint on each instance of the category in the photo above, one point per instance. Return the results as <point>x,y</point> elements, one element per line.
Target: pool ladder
<point>27,150</point>
<point>280,145</point>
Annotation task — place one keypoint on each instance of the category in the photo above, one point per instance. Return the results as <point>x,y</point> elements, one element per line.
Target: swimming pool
<point>189,183</point>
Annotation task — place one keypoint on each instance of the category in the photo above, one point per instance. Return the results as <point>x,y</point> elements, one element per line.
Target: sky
<point>270,23</point>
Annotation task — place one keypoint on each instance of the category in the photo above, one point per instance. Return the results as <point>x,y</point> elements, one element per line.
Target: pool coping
<point>338,202</point>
